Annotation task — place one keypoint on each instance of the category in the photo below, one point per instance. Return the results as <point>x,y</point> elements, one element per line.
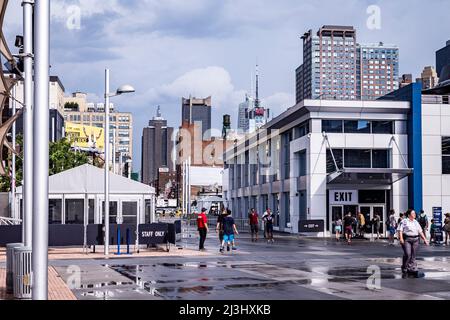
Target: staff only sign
<point>343,197</point>
<point>155,233</point>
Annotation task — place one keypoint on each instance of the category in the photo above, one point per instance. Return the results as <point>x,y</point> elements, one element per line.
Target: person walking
<point>266,213</point>
<point>409,233</point>
<point>202,225</point>
<point>229,230</point>
<point>338,228</point>
<point>348,227</point>
<point>376,225</point>
<point>253,222</point>
<point>433,229</point>
<point>423,221</point>
<point>268,222</point>
<point>361,224</point>
<point>391,226</point>
<point>446,227</point>
<point>219,226</point>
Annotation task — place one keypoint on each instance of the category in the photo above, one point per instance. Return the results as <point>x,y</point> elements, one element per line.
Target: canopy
<point>88,179</point>
<point>368,176</point>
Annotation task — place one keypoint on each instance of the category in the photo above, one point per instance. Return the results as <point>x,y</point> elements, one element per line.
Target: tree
<point>63,158</point>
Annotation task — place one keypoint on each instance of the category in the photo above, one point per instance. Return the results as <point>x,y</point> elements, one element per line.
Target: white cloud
<point>279,102</point>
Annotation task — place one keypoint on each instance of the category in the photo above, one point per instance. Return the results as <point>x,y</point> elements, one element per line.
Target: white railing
<point>9,221</point>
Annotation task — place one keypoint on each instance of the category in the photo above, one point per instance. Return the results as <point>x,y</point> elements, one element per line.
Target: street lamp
<point>121,90</point>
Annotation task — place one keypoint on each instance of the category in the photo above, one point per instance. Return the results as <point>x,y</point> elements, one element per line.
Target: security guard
<point>409,232</point>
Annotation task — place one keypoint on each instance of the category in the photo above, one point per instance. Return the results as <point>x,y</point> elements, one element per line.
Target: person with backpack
<point>268,219</point>
<point>229,230</point>
<point>348,227</point>
<point>219,226</point>
<point>202,225</point>
<point>423,221</point>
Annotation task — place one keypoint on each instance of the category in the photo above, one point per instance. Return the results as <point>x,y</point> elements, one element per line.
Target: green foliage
<point>62,158</point>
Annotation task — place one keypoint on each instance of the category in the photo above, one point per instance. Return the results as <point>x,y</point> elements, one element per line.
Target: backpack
<point>423,220</point>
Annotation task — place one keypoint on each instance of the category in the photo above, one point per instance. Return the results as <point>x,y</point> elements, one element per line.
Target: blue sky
<point>172,48</point>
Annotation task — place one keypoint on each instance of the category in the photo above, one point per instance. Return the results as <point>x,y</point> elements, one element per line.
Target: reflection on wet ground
<point>267,272</point>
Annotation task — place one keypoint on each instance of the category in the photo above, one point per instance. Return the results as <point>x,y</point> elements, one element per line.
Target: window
<point>54,211</point>
<point>332,126</point>
<point>74,211</point>
<point>337,153</point>
<point>383,127</point>
<point>445,155</point>
<point>357,158</point>
<point>357,126</point>
<point>302,163</point>
<point>380,159</point>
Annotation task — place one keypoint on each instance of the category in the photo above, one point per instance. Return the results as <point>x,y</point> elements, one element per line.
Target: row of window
<point>357,158</point>
<point>358,126</point>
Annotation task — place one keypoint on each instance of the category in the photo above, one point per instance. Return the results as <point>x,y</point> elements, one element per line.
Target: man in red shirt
<point>202,225</point>
<point>253,221</point>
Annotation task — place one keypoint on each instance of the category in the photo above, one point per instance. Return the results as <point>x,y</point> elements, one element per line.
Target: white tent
<point>209,201</point>
<point>76,196</point>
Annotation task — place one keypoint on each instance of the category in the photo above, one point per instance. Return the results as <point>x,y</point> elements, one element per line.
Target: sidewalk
<point>77,253</point>
<point>57,289</point>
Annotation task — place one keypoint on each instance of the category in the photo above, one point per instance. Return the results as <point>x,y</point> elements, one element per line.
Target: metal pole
<point>40,150</point>
<point>114,151</point>
<point>189,185</point>
<point>28,122</point>
<point>13,165</point>
<point>106,205</point>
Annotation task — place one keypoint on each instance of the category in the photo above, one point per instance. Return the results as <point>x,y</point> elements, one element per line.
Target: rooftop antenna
<point>158,112</point>
<point>257,87</point>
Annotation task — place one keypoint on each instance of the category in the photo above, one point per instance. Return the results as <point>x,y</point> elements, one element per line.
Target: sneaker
<point>234,248</point>
<point>221,250</point>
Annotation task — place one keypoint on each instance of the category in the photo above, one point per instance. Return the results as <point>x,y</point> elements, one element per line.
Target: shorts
<point>269,227</point>
<point>392,231</point>
<point>254,228</point>
<point>349,230</point>
<point>338,229</point>
<point>228,237</point>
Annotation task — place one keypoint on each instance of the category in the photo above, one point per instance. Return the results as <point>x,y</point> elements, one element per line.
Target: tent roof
<point>88,179</point>
<point>210,199</point>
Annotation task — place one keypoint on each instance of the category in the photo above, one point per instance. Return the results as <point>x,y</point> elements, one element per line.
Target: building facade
<point>195,110</point>
<point>321,159</point>
<point>157,147</point>
<point>336,67</point>
<point>56,108</point>
<point>443,59</point>
<point>428,78</point>
<point>378,70</point>
<point>121,127</point>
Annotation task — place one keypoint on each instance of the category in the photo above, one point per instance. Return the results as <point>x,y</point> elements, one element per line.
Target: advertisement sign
<point>437,216</point>
<point>84,137</point>
<point>346,197</point>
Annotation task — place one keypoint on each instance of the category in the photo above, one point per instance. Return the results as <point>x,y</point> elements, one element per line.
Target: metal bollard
<point>10,265</point>
<point>22,273</point>
<point>118,240</point>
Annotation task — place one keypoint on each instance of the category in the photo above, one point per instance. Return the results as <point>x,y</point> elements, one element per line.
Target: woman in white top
<point>409,232</point>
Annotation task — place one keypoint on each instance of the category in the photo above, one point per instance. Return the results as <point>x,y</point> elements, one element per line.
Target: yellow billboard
<point>85,137</point>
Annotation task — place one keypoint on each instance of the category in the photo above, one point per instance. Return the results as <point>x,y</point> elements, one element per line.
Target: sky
<point>168,49</point>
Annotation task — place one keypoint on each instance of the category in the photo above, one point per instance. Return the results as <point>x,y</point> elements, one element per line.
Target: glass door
<point>336,213</point>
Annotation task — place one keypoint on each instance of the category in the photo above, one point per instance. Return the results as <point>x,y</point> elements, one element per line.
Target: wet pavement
<point>291,268</point>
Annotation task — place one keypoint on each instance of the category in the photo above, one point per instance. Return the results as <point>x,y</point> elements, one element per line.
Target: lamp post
<point>40,149</point>
<point>122,90</point>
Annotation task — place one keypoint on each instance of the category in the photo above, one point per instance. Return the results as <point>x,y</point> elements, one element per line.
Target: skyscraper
<point>336,67</point>
<point>443,59</point>
<point>378,72</point>
<point>197,111</point>
<point>329,64</point>
<point>252,115</point>
<point>157,146</point>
